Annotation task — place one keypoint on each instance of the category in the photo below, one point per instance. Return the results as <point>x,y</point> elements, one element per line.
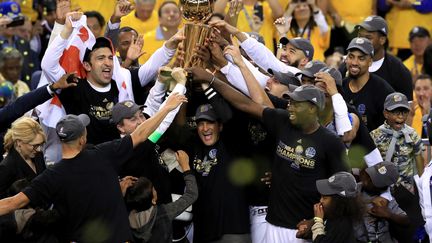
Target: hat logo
<point>359,41</point>
<point>384,30</point>
<point>61,133</point>
<point>382,170</point>
<point>343,193</point>
<point>308,65</point>
<point>397,98</point>
<point>314,99</point>
<point>368,19</point>
<point>331,179</point>
<point>415,30</point>
<point>128,104</point>
<point>307,52</point>
<point>14,8</point>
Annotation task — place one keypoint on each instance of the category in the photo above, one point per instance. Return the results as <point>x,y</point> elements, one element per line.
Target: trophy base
<point>196,35</point>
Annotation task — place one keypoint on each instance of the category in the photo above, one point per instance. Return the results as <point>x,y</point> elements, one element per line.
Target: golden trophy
<point>195,31</point>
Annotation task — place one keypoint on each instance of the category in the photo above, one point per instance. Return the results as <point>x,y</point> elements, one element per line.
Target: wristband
<point>318,219</point>
<point>155,136</point>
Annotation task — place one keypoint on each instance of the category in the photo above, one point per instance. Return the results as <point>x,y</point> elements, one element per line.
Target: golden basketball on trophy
<point>195,31</point>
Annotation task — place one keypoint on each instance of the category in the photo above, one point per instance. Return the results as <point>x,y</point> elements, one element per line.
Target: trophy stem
<point>196,35</point>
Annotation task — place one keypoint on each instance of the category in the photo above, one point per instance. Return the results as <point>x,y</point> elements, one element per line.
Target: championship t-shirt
<point>300,159</point>
<point>83,99</point>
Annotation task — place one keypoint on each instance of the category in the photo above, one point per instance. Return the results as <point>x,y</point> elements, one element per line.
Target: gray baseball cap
<point>311,68</point>
<point>124,109</point>
<point>71,127</point>
<point>206,112</point>
<point>308,93</point>
<point>301,44</point>
<point>285,78</point>
<point>342,184</point>
<point>336,75</point>
<point>396,100</point>
<point>363,44</point>
<point>374,23</point>
<point>383,174</point>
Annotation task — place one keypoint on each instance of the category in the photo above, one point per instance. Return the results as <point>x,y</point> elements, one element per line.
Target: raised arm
<point>237,99</point>
<point>146,128</point>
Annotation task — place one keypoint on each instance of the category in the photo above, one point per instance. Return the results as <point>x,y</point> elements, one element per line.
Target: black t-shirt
<point>369,101</point>
<point>394,73</point>
<point>221,207</point>
<point>83,99</point>
<point>299,161</point>
<point>85,190</point>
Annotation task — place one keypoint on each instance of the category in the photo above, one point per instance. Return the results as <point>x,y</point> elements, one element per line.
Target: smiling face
<point>100,67</point>
<point>128,125</point>
<point>300,112</point>
<point>302,12</point>
<point>358,63</point>
<point>292,56</point>
<point>276,88</point>
<point>209,131</point>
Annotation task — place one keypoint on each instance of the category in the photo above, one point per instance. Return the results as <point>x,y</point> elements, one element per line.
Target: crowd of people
<point>301,121</point>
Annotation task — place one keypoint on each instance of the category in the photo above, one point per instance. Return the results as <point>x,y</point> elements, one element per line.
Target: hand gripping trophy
<point>196,12</point>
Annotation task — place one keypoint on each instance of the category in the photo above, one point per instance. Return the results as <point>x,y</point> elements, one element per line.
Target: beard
<point>296,63</point>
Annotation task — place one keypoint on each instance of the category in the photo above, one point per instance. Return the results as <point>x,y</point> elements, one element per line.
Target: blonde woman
<point>23,143</point>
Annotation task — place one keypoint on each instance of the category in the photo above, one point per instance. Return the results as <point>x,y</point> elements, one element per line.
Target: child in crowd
<point>339,207</point>
<point>151,222</point>
<point>401,145</point>
<point>375,225</point>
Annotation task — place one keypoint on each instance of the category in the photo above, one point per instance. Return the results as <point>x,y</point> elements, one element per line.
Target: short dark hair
<point>139,196</point>
<point>165,3</point>
<point>352,208</point>
<point>97,15</point>
<point>127,29</point>
<point>423,76</point>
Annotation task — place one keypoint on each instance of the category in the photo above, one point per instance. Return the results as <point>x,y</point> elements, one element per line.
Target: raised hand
<point>174,100</point>
<point>200,75</point>
<point>318,210</point>
<point>329,82</point>
<point>68,28</point>
<point>127,182</point>
<point>175,40</point>
<point>224,26</point>
<point>62,8</point>
<point>217,56</point>
<point>234,51</point>
<point>135,49</point>
<point>122,8</point>
<point>235,6</point>
<point>179,74</point>
<point>66,81</point>
<point>283,25</point>
<point>183,160</point>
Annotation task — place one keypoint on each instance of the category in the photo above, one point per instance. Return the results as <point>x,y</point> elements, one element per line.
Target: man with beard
<point>362,89</point>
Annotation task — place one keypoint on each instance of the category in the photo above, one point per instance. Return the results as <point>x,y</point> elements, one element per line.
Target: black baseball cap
<point>342,184</point>
<point>396,100</point>
<point>100,43</point>
<point>206,112</point>
<point>308,93</point>
<point>301,44</point>
<point>374,24</point>
<point>125,109</point>
<point>418,31</point>
<point>383,174</point>
<point>311,68</point>
<point>362,44</point>
<point>287,78</point>
<point>71,127</point>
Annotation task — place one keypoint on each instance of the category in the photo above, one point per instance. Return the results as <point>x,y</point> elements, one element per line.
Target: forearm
<point>57,29</point>
<point>277,10</point>
<point>9,204</point>
<point>154,99</point>
<point>321,22</point>
<point>146,128</point>
<point>51,61</point>
<point>419,164</point>
<point>256,92</point>
<point>190,196</point>
<point>149,70</point>
<point>112,31</point>
<point>340,109</point>
<point>399,219</point>
<point>219,6</point>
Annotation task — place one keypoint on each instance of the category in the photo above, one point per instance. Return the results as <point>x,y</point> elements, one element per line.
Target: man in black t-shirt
<point>364,90</point>
<point>84,186</point>
<point>384,65</point>
<point>305,152</point>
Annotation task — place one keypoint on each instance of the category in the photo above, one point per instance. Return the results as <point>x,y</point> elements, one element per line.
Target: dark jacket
<point>155,224</point>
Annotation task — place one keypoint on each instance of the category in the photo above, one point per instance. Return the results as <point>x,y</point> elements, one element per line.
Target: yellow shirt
<point>417,122</point>
<point>267,30</point>
<point>400,23</point>
<point>141,27</point>
<point>152,42</point>
<point>104,7</point>
<point>415,68</point>
<point>353,11</point>
<point>27,9</point>
<point>319,42</point>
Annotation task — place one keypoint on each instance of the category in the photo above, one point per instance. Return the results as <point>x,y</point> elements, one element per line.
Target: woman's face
<point>302,12</point>
<point>30,149</point>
